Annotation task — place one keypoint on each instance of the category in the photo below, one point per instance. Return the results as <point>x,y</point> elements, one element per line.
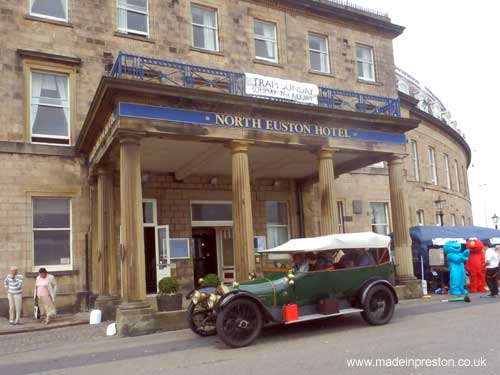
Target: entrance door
<point>150,259</point>
<point>163,266</point>
<point>225,254</point>
<point>204,253</point>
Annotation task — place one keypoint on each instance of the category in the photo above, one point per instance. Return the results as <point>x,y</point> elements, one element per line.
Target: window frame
<point>432,166</point>
<point>326,53</point>
<point>439,222</point>
<point>34,14</point>
<point>132,31</point>
<point>447,171</point>
<point>262,38</point>
<point>387,224</point>
<point>30,105</point>
<point>457,176</point>
<point>340,215</point>
<point>421,217</point>
<point>372,62</point>
<point>415,161</point>
<point>54,267</point>
<point>216,28</point>
<point>287,226</point>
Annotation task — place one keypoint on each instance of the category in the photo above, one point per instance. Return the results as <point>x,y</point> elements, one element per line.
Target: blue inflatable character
<point>456,259</point>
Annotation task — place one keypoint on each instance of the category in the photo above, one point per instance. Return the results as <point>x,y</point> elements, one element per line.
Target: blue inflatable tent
<point>427,237</point>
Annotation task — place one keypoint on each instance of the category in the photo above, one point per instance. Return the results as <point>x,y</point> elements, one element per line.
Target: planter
<point>168,302</point>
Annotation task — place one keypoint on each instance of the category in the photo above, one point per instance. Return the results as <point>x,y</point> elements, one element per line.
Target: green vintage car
<point>348,273</point>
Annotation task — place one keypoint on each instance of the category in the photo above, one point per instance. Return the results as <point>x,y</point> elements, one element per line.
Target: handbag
<point>36,308</point>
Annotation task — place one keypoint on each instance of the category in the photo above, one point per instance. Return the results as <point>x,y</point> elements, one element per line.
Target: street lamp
<point>495,218</point>
<point>439,206</point>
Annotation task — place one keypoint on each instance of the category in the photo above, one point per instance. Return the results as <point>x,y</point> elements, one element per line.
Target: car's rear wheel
<point>378,306</point>
<point>201,320</point>
<point>239,323</point>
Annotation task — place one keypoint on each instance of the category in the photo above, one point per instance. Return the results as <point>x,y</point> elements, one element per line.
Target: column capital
<point>103,169</point>
<point>396,159</point>
<point>129,139</point>
<point>326,153</point>
<point>239,146</point>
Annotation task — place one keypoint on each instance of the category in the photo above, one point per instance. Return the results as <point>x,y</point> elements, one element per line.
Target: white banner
<point>270,87</point>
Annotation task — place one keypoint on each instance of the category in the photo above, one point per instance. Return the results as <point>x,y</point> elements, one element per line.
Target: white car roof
<point>333,242</point>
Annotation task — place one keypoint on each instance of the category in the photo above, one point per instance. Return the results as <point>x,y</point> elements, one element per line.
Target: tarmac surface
<point>424,337</point>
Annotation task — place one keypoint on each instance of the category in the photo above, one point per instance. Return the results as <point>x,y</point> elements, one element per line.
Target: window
<point>379,213</point>
<point>463,221</point>
<point>432,166</point>
<point>53,9</point>
<point>49,112</point>
<point>414,157</point>
<point>447,171</point>
<point>341,214</point>
<point>439,221</point>
<point>52,232</point>
<point>205,33</point>
<point>133,17</point>
<point>277,223</point>
<point>420,217</point>
<point>464,179</point>
<point>364,62</point>
<point>457,177</point>
<point>179,248</point>
<point>207,213</point>
<point>453,220</point>
<point>318,53</point>
<point>266,45</point>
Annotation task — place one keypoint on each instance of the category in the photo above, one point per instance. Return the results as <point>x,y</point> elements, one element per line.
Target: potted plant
<point>210,279</point>
<point>169,299</point>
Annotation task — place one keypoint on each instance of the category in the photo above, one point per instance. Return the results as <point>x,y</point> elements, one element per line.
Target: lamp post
<point>439,206</point>
<point>495,218</point>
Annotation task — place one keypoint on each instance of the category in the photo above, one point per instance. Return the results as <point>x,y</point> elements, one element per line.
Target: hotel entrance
<point>212,240</point>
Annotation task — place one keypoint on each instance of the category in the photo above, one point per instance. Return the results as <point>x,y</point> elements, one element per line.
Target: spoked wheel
<point>239,323</point>
<point>201,320</point>
<point>378,306</point>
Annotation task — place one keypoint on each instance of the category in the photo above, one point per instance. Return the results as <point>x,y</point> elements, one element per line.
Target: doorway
<point>150,259</point>
<point>204,253</point>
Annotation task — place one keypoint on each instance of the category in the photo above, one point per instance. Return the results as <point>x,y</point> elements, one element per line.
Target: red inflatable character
<point>475,266</point>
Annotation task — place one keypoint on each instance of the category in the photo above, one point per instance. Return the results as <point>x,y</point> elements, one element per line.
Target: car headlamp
<point>196,297</point>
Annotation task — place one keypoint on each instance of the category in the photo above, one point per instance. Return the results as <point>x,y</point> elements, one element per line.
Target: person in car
<point>299,263</point>
<point>318,262</point>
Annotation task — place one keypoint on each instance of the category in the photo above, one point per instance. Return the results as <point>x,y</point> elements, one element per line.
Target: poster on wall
<point>271,87</point>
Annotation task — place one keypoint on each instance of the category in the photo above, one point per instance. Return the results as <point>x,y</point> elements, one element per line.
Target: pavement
<point>424,337</point>
<point>30,325</point>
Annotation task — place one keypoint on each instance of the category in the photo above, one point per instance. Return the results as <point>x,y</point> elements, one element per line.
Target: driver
<point>299,263</point>
<point>318,262</point>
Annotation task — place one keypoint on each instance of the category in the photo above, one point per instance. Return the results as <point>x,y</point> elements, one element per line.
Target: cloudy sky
<point>452,47</point>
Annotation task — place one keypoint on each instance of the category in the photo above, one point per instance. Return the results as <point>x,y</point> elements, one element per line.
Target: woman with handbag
<point>45,293</point>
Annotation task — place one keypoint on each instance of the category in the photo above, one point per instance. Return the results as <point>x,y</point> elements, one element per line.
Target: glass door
<point>163,265</point>
<point>225,254</point>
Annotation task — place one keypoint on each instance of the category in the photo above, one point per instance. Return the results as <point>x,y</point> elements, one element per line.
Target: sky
<point>452,47</point>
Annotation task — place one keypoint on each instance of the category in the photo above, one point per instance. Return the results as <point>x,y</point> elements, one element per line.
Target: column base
<point>107,305</point>
<point>409,290</point>
<point>135,319</point>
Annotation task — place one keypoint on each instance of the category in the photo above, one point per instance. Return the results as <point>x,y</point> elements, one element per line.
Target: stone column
<point>244,259</point>
<point>328,204</point>
<point>106,252</point>
<point>134,316</point>
<point>400,221</point>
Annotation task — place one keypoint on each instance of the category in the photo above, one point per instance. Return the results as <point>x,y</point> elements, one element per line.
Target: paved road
<point>420,330</point>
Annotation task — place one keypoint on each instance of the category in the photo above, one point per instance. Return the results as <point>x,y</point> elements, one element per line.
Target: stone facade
<point>86,46</point>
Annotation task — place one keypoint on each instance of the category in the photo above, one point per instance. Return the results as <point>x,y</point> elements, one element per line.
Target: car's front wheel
<point>378,306</point>
<point>201,320</point>
<point>239,323</point>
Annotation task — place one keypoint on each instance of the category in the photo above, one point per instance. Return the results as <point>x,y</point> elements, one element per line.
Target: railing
<point>199,77</point>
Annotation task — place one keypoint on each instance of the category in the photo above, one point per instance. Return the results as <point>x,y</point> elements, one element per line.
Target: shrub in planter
<point>211,279</point>
<point>169,299</point>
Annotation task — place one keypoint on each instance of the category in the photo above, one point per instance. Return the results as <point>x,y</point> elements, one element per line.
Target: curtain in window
<point>268,33</point>
<point>122,15</point>
<point>36,90</point>
<point>379,217</point>
<point>208,30</point>
<point>62,88</point>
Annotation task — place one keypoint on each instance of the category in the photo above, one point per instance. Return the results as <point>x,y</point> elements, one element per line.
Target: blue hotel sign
<point>252,123</point>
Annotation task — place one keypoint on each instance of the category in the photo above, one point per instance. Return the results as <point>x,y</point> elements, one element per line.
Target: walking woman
<point>45,292</point>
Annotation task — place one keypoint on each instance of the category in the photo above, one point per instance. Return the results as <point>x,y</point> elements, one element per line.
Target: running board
<point>305,318</point>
